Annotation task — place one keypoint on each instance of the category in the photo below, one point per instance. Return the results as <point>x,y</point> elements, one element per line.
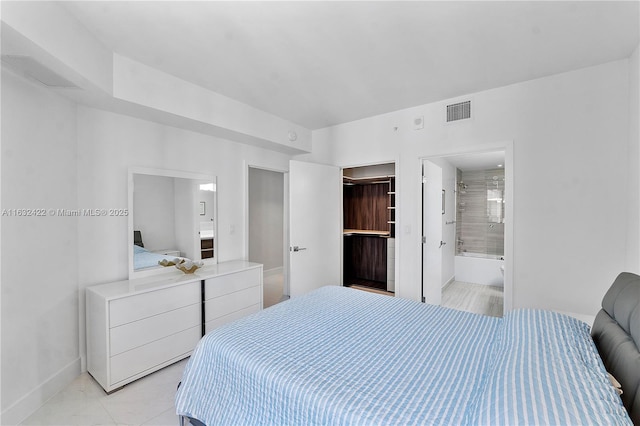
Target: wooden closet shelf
<point>366,232</point>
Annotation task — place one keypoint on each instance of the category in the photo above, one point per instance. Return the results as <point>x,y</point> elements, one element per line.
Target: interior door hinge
<point>424,239</point>
<point>424,180</point>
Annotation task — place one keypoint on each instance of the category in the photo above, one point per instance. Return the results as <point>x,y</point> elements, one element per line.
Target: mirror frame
<point>133,274</point>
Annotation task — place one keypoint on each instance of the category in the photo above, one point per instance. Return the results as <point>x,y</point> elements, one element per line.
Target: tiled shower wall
<point>480,212</point>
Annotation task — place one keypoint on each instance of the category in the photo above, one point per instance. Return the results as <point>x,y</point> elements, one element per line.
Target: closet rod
<point>369,177</point>
<point>366,183</point>
<point>348,180</point>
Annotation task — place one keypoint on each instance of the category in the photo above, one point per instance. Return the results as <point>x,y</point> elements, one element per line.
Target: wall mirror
<point>171,214</point>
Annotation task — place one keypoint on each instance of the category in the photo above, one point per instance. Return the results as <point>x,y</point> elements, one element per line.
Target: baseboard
<point>273,271</point>
<point>31,402</point>
<point>452,279</point>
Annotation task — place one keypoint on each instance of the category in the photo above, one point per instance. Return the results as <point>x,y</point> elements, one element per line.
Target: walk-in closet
<point>369,214</point>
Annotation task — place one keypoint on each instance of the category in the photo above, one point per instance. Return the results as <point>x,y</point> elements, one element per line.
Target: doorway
<point>267,229</point>
<point>369,217</point>
<point>467,230</point>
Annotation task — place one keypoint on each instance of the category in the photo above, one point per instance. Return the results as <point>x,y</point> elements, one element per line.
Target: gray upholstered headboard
<point>616,333</point>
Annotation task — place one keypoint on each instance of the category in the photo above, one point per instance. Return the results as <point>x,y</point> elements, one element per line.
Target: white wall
<point>570,142</point>
<point>40,348</point>
<point>266,212</point>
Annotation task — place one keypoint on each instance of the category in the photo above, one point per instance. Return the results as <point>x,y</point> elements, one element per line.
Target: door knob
<point>296,248</point>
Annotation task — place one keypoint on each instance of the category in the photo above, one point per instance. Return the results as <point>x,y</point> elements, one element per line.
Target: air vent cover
<point>459,111</point>
<point>35,70</point>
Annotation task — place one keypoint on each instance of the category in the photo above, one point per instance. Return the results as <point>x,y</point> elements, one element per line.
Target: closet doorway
<point>369,214</point>
<point>267,230</point>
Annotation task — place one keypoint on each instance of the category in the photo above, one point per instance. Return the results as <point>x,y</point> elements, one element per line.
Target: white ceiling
<point>477,161</point>
<point>324,63</point>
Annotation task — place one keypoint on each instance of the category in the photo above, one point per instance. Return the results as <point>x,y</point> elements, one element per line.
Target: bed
<point>143,258</point>
<point>339,356</point>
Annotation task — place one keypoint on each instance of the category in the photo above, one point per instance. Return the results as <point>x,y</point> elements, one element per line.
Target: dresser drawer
<point>134,308</point>
<point>217,322</point>
<point>140,360</point>
<point>230,303</point>
<point>225,284</point>
<point>139,333</point>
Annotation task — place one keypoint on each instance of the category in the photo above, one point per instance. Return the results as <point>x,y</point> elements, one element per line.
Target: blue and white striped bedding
<point>339,356</point>
<point>546,370</point>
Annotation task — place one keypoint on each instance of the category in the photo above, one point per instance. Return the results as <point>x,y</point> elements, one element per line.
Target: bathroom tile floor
<point>477,298</point>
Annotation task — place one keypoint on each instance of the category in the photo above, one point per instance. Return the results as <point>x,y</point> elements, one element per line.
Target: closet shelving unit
<point>369,227</point>
<point>391,193</point>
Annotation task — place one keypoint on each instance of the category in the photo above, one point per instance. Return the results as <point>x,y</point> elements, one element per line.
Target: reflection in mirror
<point>172,215</point>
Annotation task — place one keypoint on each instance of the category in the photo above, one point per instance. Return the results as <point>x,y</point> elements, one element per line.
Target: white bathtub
<point>479,268</point>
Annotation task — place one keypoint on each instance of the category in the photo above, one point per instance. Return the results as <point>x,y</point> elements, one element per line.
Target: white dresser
<point>135,327</point>
<point>232,296</point>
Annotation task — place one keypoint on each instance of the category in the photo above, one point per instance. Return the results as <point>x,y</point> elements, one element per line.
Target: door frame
<point>285,227</point>
<point>428,177</point>
<point>509,236</point>
<point>396,162</point>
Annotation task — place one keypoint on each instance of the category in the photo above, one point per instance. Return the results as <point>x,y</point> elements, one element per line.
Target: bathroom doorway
<point>467,230</point>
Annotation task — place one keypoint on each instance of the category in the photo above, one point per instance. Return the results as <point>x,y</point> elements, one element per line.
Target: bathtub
<point>479,268</point>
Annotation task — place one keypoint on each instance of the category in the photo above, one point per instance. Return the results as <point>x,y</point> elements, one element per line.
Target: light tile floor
<point>148,401</point>
<point>273,286</point>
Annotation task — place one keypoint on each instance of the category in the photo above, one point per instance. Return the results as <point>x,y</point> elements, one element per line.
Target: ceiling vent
<point>459,111</point>
<point>33,69</point>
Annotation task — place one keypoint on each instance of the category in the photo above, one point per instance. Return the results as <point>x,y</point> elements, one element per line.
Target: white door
<point>314,226</point>
<point>432,232</point>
